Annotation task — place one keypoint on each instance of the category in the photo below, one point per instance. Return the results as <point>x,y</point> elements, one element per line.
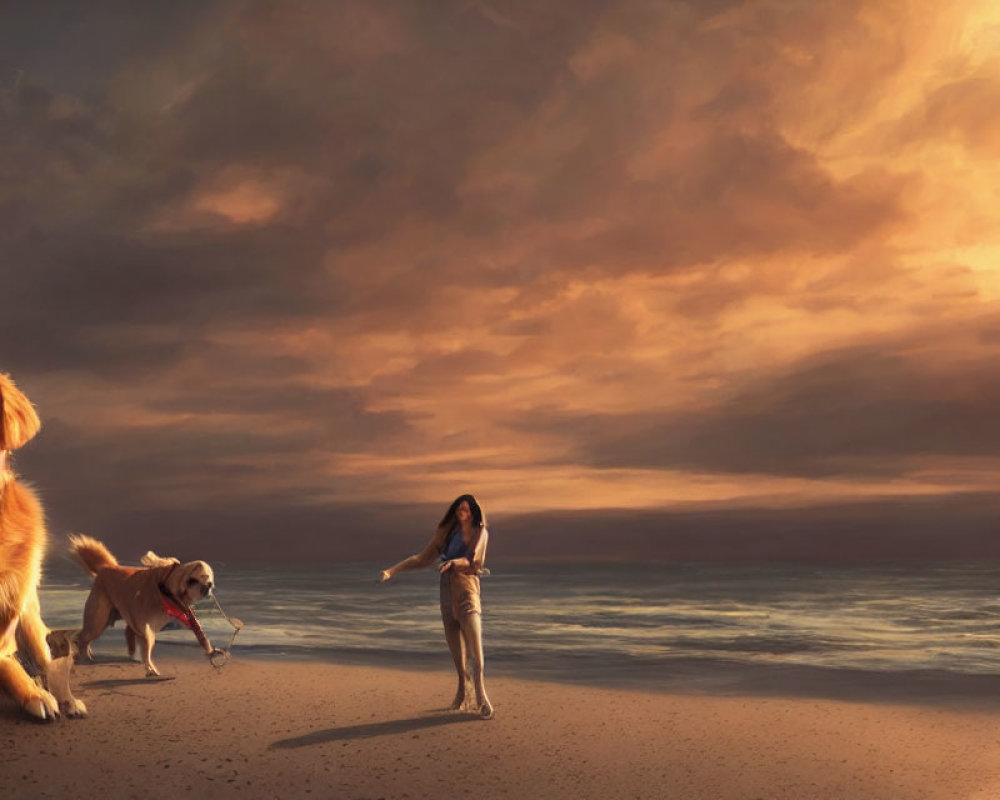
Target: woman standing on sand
<point>459,543</point>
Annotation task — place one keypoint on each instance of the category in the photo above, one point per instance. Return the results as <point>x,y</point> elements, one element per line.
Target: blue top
<point>454,547</point>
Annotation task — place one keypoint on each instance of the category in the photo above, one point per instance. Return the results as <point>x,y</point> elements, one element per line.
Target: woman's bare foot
<point>464,701</point>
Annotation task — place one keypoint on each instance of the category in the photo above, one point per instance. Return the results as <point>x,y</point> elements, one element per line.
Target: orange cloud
<point>246,202</point>
<point>635,255</point>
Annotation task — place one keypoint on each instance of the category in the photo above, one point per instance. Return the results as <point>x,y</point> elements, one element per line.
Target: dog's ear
<point>18,420</point>
<point>153,560</point>
<point>177,580</point>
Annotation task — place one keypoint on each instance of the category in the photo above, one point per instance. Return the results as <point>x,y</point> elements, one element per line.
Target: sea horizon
<point>713,626</point>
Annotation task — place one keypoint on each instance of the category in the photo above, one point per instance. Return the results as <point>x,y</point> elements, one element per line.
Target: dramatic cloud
<point>879,409</point>
<point>311,269</point>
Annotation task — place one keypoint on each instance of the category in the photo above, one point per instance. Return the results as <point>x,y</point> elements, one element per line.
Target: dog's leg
<point>34,634</point>
<point>28,694</point>
<point>98,612</point>
<point>62,645</point>
<point>130,641</point>
<point>33,699</point>
<point>148,636</point>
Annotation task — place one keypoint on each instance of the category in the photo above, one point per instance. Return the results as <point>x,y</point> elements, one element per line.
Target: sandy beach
<point>277,729</point>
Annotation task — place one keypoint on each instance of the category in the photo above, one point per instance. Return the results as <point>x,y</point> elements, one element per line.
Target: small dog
<point>146,597</point>
<point>22,548</point>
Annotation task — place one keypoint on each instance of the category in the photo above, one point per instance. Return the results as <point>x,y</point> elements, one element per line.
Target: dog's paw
<point>73,708</point>
<point>152,672</point>
<point>42,706</point>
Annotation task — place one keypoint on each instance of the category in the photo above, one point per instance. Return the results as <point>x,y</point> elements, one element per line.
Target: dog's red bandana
<point>186,617</point>
<point>183,615</point>
<point>174,609</point>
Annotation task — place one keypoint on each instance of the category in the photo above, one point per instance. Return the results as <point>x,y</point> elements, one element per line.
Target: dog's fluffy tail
<point>91,553</point>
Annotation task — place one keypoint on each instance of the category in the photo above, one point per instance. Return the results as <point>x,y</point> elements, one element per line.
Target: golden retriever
<point>23,538</point>
<point>146,598</point>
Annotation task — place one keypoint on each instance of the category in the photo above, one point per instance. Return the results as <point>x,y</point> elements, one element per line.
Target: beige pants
<point>459,596</point>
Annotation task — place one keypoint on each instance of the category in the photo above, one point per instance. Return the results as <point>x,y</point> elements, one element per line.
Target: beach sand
<point>287,729</point>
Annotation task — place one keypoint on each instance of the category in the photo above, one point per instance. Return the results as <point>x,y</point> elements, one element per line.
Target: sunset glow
<point>569,256</point>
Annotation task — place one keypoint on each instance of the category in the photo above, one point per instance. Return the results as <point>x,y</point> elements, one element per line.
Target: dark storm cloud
<point>178,480</point>
<point>903,527</point>
<point>268,242</point>
<point>336,415</point>
<point>400,123</point>
<point>388,110</point>
<point>85,293</point>
<point>855,412</point>
<point>77,252</point>
<point>737,196</point>
<point>79,45</point>
<point>384,137</point>
<point>889,528</point>
<point>384,100</point>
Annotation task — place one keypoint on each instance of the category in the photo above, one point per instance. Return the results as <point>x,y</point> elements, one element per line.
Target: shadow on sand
<point>720,678</point>
<point>114,683</point>
<point>388,728</point>
<point>938,688</point>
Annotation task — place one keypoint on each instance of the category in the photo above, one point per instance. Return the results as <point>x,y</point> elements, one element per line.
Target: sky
<point>651,279</point>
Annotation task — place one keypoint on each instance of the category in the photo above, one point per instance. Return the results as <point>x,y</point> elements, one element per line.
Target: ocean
<point>647,625</point>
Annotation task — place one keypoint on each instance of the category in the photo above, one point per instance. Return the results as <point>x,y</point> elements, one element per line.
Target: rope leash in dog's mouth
<point>219,658</point>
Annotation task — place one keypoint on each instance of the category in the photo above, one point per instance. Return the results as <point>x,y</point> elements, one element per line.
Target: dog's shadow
<point>370,730</point>
<point>115,683</point>
<point>102,660</point>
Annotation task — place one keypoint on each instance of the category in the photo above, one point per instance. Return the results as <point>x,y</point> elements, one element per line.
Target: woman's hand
<point>457,564</point>
<point>385,575</point>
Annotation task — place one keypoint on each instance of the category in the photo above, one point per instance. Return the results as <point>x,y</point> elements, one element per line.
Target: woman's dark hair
<point>478,517</point>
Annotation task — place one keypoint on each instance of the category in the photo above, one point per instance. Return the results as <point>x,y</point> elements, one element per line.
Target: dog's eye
<point>192,581</point>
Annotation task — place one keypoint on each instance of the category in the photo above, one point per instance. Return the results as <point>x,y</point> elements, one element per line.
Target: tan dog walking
<point>146,597</point>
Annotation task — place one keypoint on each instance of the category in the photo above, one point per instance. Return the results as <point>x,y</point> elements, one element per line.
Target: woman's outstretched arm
<point>422,559</point>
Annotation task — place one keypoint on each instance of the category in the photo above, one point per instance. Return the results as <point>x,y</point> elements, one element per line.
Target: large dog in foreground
<point>22,549</point>
<point>146,598</point>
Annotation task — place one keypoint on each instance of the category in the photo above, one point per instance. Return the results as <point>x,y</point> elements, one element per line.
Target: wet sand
<point>286,729</point>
